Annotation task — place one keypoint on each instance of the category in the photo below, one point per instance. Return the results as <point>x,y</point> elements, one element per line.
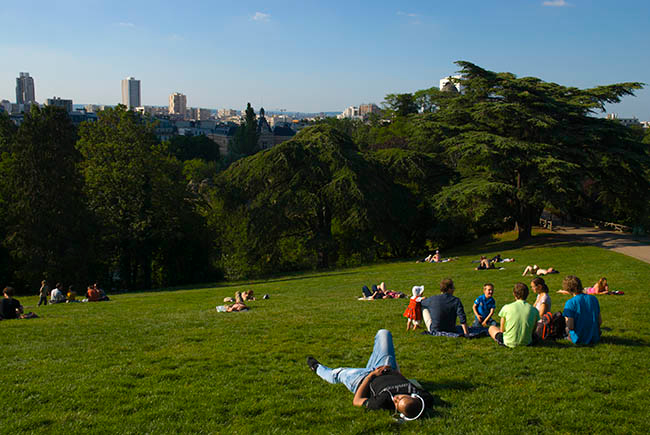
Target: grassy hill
<point>167,362</point>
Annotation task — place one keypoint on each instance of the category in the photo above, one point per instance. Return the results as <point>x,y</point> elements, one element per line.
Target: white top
<point>543,298</point>
<point>57,295</point>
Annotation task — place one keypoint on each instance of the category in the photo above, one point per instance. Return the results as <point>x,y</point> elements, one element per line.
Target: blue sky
<point>312,55</point>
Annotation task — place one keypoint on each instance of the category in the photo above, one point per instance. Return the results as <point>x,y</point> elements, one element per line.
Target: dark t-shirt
<point>382,386</point>
<point>8,308</point>
<point>443,309</point>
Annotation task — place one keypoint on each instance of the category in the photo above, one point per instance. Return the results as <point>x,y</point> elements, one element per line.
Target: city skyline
<point>315,58</point>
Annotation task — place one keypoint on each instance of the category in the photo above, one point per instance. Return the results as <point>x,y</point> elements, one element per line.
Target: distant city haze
<point>312,56</point>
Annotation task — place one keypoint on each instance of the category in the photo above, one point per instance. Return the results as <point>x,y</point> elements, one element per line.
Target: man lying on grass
<point>379,385</point>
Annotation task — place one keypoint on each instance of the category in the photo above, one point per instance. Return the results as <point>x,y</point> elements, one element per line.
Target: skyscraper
<point>25,92</point>
<point>177,104</point>
<point>131,92</point>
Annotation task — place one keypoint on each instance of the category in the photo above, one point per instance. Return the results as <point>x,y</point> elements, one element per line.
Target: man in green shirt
<point>518,320</point>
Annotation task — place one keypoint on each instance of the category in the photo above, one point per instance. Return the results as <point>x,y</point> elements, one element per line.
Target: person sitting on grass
<point>379,385</point>
<point>102,294</point>
<point>537,271</point>
<point>582,313</point>
<point>10,308</point>
<point>440,311</point>
<point>72,295</point>
<point>518,320</point>
<point>543,300</point>
<point>92,294</point>
<point>484,307</point>
<point>57,296</point>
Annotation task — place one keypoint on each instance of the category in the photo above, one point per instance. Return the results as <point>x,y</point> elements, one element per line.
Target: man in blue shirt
<point>440,312</point>
<point>582,313</point>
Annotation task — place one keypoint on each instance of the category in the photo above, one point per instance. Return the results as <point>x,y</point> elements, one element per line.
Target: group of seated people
<point>57,295</point>
<point>518,319</point>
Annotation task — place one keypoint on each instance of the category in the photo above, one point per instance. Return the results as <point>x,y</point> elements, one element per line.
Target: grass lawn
<point>167,362</point>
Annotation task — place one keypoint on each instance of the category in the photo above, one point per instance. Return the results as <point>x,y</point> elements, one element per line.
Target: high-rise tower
<point>25,92</point>
<point>131,92</point>
<point>177,104</point>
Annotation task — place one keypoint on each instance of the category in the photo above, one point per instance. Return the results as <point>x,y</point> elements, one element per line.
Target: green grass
<point>167,362</point>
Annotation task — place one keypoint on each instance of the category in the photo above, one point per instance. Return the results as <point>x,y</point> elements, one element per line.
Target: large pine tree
<point>523,144</point>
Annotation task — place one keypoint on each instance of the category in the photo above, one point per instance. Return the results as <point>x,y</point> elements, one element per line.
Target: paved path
<point>633,246</point>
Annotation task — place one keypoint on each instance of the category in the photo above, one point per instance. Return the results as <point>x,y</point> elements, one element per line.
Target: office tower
<point>177,104</point>
<point>131,92</point>
<point>59,102</point>
<point>25,92</point>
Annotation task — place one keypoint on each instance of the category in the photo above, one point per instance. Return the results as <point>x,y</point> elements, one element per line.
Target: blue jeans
<point>383,354</point>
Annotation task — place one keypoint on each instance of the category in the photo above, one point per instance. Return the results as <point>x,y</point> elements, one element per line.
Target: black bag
<point>550,327</point>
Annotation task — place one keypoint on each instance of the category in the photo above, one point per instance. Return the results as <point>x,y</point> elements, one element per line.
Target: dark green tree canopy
<point>135,190</point>
<point>401,104</point>
<point>47,220</point>
<point>245,143</point>
<point>530,141</point>
<point>320,188</point>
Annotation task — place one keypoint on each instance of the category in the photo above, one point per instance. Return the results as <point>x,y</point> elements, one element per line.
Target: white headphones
<point>421,411</point>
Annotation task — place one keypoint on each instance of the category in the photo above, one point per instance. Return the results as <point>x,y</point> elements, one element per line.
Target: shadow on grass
<point>493,244</point>
<point>620,341</point>
<point>432,387</point>
<point>605,339</point>
<point>253,282</point>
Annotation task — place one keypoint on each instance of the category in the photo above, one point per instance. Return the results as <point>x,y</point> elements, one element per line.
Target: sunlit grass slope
<point>167,362</point>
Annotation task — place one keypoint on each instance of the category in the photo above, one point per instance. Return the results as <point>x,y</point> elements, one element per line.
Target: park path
<point>628,244</point>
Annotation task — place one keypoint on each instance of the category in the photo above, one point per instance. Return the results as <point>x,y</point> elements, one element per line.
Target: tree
<point>401,104</point>
<point>194,147</point>
<point>303,202</point>
<point>48,224</point>
<point>526,143</point>
<point>7,137</point>
<point>245,142</point>
<point>137,193</point>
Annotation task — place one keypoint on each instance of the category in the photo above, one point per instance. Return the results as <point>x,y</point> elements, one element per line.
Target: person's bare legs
<point>493,331</point>
<point>528,268</point>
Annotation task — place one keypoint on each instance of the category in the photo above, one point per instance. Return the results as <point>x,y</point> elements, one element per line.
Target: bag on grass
<point>551,326</point>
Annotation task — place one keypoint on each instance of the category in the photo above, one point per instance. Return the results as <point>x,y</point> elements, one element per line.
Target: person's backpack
<point>551,326</point>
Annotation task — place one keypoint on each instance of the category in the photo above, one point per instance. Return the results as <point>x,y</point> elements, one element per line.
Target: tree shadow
<point>492,244</point>
<point>251,283</point>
